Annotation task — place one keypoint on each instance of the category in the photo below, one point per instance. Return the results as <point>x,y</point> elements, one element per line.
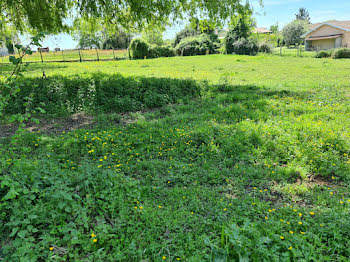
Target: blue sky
<point>281,11</point>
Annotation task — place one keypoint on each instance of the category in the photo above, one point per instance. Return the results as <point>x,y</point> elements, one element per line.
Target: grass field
<point>72,55</point>
<point>253,167</point>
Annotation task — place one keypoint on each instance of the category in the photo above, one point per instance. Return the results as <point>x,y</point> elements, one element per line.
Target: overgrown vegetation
<point>337,53</point>
<point>255,168</point>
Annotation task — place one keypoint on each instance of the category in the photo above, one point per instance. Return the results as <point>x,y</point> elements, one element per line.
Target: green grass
<point>224,176</point>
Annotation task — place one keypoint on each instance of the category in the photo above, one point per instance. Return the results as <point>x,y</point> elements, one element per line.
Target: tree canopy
<point>53,15</point>
<point>303,14</point>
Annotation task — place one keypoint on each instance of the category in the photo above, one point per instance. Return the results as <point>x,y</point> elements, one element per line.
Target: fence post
<point>42,60</point>
<point>63,56</point>
<point>113,54</point>
<point>98,58</point>
<point>79,55</point>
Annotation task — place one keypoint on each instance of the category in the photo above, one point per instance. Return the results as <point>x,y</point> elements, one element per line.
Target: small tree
<point>153,36</point>
<point>186,32</point>
<point>274,28</point>
<point>293,31</point>
<point>303,15</point>
<point>241,27</point>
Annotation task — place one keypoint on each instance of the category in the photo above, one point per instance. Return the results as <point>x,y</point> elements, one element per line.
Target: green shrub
<point>324,54</point>
<point>139,48</point>
<point>341,53</point>
<point>199,45</point>
<point>100,92</point>
<point>265,47</point>
<point>245,46</point>
<point>161,51</point>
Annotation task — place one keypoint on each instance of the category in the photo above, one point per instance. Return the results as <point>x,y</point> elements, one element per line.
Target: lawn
<point>72,55</point>
<point>207,158</point>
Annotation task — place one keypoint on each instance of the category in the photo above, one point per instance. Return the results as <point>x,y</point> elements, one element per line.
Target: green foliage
<point>293,31</point>
<point>139,49</point>
<point>324,54</point>
<point>275,28</point>
<point>198,45</point>
<point>52,15</point>
<point>241,27</point>
<point>161,51</point>
<point>9,46</point>
<point>265,47</point>
<point>303,15</point>
<point>193,179</point>
<point>118,40</point>
<point>188,31</point>
<point>99,92</point>
<point>153,36</point>
<point>341,53</point>
<point>244,46</point>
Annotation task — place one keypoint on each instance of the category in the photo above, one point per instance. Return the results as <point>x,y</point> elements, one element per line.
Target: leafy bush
<point>265,47</point>
<point>99,92</point>
<point>199,45</point>
<point>161,51</point>
<point>341,53</point>
<point>324,53</point>
<point>184,33</point>
<point>293,31</point>
<point>139,48</point>
<point>245,46</point>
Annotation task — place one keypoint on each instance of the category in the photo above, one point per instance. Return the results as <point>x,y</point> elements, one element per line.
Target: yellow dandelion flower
<point>300,223</point>
<point>94,240</point>
<point>93,235</point>
<point>292,232</point>
<point>281,220</point>
<point>163,257</point>
<point>141,207</point>
<point>225,209</point>
<point>300,214</point>
<point>266,218</point>
<point>288,223</point>
<point>290,248</point>
<point>282,237</point>
<point>321,225</point>
<point>301,232</point>
<point>331,193</point>
<point>312,213</point>
<point>270,210</point>
<point>51,248</point>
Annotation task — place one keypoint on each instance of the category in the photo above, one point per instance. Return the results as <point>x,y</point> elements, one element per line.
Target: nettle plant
<point>10,87</point>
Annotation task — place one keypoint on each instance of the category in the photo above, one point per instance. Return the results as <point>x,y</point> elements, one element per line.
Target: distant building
<point>262,30</point>
<point>328,35</point>
<point>221,33</point>
<point>43,49</point>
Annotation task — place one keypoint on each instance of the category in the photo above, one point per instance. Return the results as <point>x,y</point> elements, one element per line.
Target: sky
<point>273,11</point>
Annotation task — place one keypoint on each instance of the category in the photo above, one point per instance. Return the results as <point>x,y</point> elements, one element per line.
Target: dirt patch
<point>75,121</point>
<point>313,181</point>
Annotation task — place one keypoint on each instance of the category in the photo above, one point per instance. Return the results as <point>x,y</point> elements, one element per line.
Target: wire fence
<point>75,55</point>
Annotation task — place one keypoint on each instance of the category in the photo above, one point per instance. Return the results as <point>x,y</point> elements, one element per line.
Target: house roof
<point>324,37</point>
<point>262,30</point>
<point>343,25</point>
